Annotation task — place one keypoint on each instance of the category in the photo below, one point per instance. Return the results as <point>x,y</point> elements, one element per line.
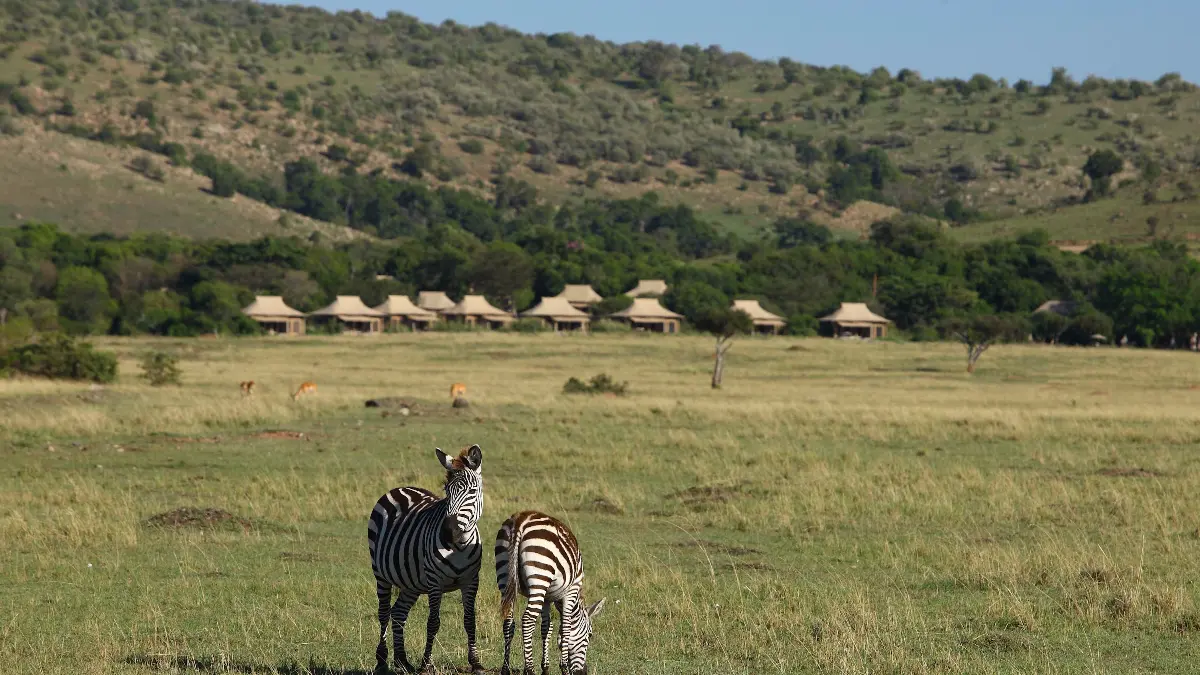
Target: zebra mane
<point>463,460</point>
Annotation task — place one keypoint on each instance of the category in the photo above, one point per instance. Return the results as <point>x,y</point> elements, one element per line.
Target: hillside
<point>741,141</point>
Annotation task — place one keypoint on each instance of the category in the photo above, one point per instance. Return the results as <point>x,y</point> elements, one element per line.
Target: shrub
<point>472,146</point>
<point>610,326</point>
<point>160,368</point>
<point>529,325</point>
<point>600,384</point>
<point>57,356</point>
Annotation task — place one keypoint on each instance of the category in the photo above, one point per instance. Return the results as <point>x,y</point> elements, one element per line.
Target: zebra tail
<point>509,598</point>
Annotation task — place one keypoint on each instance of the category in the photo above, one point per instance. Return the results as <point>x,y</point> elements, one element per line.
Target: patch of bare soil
<point>699,496</point>
<point>718,547</point>
<point>200,518</point>
<point>602,505</point>
<point>1131,472</point>
<point>295,435</point>
<point>194,439</point>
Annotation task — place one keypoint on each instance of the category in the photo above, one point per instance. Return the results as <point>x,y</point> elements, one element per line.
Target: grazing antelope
<point>537,556</point>
<point>457,390</point>
<point>306,388</point>
<point>423,545</point>
<point>247,387</point>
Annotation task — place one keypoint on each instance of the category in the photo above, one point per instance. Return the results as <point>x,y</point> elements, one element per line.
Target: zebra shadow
<point>208,664</point>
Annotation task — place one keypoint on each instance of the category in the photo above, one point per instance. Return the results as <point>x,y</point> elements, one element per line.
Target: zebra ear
<point>595,609</point>
<point>445,459</point>
<point>474,457</point>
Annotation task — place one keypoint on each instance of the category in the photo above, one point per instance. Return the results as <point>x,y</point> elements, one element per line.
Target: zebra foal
<point>538,556</point>
<point>422,545</point>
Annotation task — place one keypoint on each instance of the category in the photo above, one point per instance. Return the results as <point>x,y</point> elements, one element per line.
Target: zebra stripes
<point>422,545</point>
<point>538,556</point>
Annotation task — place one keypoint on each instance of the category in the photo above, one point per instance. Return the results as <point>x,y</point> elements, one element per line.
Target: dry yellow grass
<point>837,507</point>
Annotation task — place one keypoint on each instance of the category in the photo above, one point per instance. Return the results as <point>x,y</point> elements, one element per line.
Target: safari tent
<point>434,301</point>
<point>648,287</point>
<point>855,319</point>
<point>558,313</point>
<point>274,315</point>
<point>402,313</point>
<point>475,310</point>
<point>647,314</point>
<point>355,316</point>
<point>581,296</point>
<point>764,322</point>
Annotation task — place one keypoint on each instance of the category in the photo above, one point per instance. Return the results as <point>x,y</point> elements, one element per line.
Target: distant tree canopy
<point>1100,167</point>
<point>927,283</point>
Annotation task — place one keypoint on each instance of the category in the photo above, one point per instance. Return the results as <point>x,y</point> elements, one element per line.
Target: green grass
<point>836,508</point>
<point>89,187</point>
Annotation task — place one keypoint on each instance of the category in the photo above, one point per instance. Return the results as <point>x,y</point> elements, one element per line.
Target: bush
<point>160,368</point>
<point>600,384</point>
<point>471,146</point>
<point>529,325</point>
<point>610,326</point>
<point>57,356</point>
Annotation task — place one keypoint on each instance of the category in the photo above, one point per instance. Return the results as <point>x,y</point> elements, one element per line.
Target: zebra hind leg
<point>546,639</point>
<point>384,592</point>
<point>533,609</point>
<point>400,612</point>
<point>431,629</point>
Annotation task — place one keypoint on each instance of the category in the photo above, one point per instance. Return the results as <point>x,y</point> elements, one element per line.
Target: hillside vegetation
<point>741,141</point>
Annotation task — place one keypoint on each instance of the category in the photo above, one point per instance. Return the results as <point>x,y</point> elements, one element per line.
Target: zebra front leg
<point>400,612</point>
<point>431,628</point>
<point>546,639</point>
<point>533,609</point>
<point>468,597</point>
<point>384,593</point>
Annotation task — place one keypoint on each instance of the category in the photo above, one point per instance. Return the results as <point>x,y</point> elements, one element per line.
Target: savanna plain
<point>835,508</point>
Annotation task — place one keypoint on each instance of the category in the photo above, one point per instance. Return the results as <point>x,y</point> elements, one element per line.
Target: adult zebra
<point>424,545</point>
<point>538,556</point>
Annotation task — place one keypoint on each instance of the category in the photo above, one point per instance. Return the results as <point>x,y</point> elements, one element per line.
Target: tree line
<point>513,251</point>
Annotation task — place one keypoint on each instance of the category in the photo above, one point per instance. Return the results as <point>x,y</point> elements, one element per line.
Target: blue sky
<point>940,38</point>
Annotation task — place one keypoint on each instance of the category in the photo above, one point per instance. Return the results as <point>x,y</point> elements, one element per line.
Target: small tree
<point>160,368</point>
<point>723,323</point>
<point>1101,166</point>
<point>978,333</point>
<point>1049,326</point>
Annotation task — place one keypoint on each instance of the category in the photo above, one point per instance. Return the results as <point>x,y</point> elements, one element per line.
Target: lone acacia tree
<point>978,333</point>
<point>723,323</point>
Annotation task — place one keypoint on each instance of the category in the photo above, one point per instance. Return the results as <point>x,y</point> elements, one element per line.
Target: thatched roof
<point>579,294</point>
<point>477,305</point>
<point>645,309</point>
<point>558,308</point>
<point>1064,307</point>
<point>348,306</point>
<point>400,305</point>
<point>855,313</point>
<point>434,301</point>
<point>757,313</point>
<point>270,306</point>
<point>648,287</point>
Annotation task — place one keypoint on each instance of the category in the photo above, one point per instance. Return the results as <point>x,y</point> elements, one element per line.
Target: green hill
<point>740,140</point>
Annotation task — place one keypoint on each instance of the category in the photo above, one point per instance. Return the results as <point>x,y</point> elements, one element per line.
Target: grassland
<point>836,508</point>
<point>261,84</point>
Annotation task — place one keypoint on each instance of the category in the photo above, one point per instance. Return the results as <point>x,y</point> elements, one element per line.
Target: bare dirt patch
<point>1130,472</point>
<point>294,435</point>
<point>700,496</point>
<point>717,547</point>
<point>199,518</point>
